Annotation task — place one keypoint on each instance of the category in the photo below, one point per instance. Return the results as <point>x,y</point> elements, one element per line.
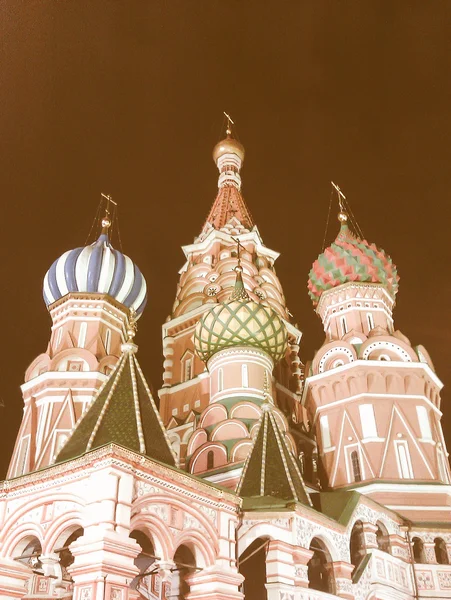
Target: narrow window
<point>210,459</point>
<point>82,334</point>
<point>441,552</point>
<point>188,369</point>
<point>368,421</point>
<point>59,336</point>
<point>370,319</point>
<point>108,341</point>
<point>344,326</point>
<point>244,376</point>
<point>220,380</point>
<point>425,425</point>
<point>355,462</point>
<point>403,458</point>
<point>325,431</point>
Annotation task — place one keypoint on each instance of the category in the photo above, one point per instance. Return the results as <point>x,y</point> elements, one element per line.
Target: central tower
<point>228,240</point>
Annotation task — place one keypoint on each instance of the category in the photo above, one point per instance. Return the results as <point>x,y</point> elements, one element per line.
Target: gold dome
<point>228,146</point>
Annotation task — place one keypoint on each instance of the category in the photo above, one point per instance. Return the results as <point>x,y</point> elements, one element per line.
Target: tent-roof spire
<point>271,469</point>
<point>123,412</point>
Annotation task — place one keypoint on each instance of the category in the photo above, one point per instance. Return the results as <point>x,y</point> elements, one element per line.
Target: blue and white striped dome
<point>97,269</point>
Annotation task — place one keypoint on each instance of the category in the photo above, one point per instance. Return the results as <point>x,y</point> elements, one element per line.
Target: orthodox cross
<point>229,123</point>
<point>341,196</point>
<point>238,250</point>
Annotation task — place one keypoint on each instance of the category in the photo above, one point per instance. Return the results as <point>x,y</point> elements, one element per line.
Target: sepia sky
<point>126,97</point>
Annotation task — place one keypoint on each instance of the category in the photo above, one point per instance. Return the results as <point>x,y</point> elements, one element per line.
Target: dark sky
<point>126,97</point>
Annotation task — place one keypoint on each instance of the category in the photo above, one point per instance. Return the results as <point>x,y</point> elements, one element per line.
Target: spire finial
<point>229,124</point>
<point>342,215</point>
<point>239,292</point>
<point>106,221</point>
<point>132,327</point>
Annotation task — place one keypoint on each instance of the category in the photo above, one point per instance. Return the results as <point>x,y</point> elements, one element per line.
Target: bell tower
<point>373,397</point>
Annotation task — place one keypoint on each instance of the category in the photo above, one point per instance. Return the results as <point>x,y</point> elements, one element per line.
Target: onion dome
<point>240,322</point>
<point>97,269</point>
<point>228,146</point>
<point>350,259</point>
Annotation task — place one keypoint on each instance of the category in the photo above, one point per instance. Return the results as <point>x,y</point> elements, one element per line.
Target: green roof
<point>123,412</point>
<point>270,468</point>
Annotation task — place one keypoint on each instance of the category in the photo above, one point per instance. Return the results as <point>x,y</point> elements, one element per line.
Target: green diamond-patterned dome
<point>240,322</point>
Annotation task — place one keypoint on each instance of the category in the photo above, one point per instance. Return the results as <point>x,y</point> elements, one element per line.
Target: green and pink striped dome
<point>348,259</point>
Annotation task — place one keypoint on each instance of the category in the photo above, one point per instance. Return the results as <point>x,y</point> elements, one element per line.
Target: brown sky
<point>126,97</point>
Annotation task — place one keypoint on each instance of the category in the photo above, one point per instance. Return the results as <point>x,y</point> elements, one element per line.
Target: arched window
<point>244,376</point>
<point>82,334</point>
<point>220,380</point>
<point>355,462</point>
<point>382,539</point>
<point>108,341</point>
<point>319,575</point>
<point>441,553</point>
<point>418,550</point>
<point>357,543</point>
<point>210,459</point>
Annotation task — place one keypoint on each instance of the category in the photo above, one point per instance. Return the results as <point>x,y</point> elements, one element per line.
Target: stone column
<point>369,536</point>
<point>214,583</point>
<point>301,558</point>
<point>103,566</point>
<point>280,569</point>
<point>341,572</point>
<point>429,553</point>
<point>14,577</point>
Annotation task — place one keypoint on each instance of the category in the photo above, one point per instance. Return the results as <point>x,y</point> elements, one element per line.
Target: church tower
<point>89,293</point>
<point>207,279</point>
<point>372,397</point>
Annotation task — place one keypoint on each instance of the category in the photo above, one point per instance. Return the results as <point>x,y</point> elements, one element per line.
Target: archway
<point>144,582</point>
<point>441,552</point>
<point>357,544</point>
<point>418,550</point>
<point>252,565</point>
<point>66,556</point>
<point>382,538</point>
<point>30,554</point>
<point>185,564</point>
<point>318,568</point>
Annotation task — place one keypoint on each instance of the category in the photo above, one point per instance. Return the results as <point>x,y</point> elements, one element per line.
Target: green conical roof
<point>123,412</point>
<point>271,469</point>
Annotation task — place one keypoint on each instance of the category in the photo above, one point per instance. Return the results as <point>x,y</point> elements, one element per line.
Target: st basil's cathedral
<point>252,476</point>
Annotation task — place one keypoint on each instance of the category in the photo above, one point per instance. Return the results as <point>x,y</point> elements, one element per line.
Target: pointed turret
<point>124,413</point>
<point>270,470</point>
